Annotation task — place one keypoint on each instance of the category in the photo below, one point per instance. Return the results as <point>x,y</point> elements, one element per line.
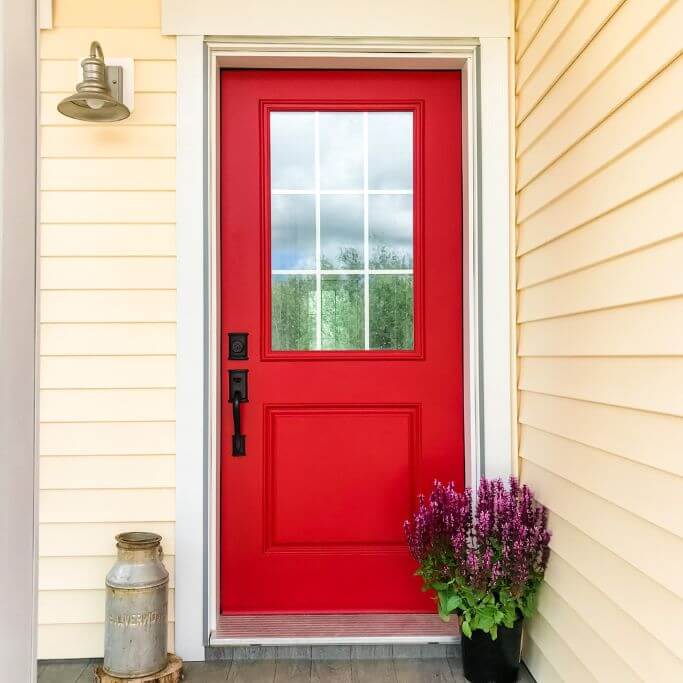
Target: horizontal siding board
<point>539,70</point>
<point>107,240</point>
<point>640,652</point>
<point>108,207</point>
<point>107,438</point>
<point>138,43</point>
<point>644,437</point>
<point>93,539</point>
<point>107,174</point>
<point>621,532</point>
<point>647,219</point>
<point>108,272</point>
<point>625,483</point>
<point>532,21</point>
<point>107,372</point>
<point>585,638</point>
<point>630,49</point>
<point>649,164</point>
<point>61,75</point>
<point>657,104</point>
<point>76,641</point>
<point>646,275</point>
<point>652,384</point>
<point>107,472</point>
<point>106,405</point>
<point>108,505</point>
<point>547,656</point>
<point>556,25</point>
<point>646,602</point>
<point>649,329</point>
<point>107,339</point>
<point>120,14</point>
<point>97,141</point>
<point>101,306</point>
<point>148,109</point>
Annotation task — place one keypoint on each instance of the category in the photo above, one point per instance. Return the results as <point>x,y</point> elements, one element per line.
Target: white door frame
<point>487,291</point>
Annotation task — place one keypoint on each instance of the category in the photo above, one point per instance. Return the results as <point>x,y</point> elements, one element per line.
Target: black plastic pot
<point>493,661</point>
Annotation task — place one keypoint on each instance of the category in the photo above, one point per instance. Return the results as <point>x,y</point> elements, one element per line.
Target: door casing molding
<point>487,290</point>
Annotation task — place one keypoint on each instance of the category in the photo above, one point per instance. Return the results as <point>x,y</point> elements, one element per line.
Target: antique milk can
<point>135,633</point>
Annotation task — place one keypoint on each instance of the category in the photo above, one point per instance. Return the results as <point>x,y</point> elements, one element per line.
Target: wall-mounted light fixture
<point>99,96</point>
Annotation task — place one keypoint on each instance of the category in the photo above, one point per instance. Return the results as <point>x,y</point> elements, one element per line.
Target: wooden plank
<point>107,471</point>
<point>107,174</point>
<point>79,606</point>
<point>121,14</point>
<point>148,272</point>
<point>531,22</point>
<point>106,405</point>
<point>99,306</point>
<point>331,671</point>
<point>107,141</point>
<point>625,483</point>
<point>657,104</point>
<point>252,671</point>
<point>642,383</point>
<point>107,240</point>
<point>63,672</point>
<point>644,167</point>
<point>61,75</point>
<point>90,539</point>
<point>206,672</point>
<point>100,339</point>
<point>645,220</point>
<point>83,573</point>
<point>609,69</point>
<point>648,438</point>
<point>639,652</point>
<point>373,671</point>
<point>540,69</point>
<point>293,671</point>
<point>645,275</point>
<point>646,602</point>
<point>422,670</point>
<point>108,207</point>
<point>107,372</point>
<point>548,657</point>
<point>107,505</point>
<point>619,531</point>
<point>149,109</point>
<point>138,43</point>
<point>648,329</point>
<point>107,438</point>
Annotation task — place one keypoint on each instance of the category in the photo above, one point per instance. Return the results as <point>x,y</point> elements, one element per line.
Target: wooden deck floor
<point>447,670</point>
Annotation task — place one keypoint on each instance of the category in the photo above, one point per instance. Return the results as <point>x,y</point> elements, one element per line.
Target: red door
<point>341,259</point>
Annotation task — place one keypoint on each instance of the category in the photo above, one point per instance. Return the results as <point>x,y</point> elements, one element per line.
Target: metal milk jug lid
<point>137,540</point>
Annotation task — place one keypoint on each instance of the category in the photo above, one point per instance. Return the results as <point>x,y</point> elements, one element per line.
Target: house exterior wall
<point>107,312</point>
<point>600,349</point>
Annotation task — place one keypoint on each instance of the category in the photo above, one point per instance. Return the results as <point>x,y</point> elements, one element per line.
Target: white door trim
<point>486,286</point>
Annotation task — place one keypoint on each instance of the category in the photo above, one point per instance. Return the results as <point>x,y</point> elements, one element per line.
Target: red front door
<point>341,259</point>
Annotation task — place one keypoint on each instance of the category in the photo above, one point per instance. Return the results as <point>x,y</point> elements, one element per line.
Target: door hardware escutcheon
<point>238,347</point>
<point>238,393</point>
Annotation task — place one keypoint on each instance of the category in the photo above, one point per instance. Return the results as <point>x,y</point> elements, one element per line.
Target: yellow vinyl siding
<point>599,308</point>
<point>107,312</point>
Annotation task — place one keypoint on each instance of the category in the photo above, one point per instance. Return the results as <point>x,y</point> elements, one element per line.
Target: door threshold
<point>333,629</point>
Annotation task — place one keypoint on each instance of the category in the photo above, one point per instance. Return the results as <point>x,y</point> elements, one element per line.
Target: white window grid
<point>318,272</point>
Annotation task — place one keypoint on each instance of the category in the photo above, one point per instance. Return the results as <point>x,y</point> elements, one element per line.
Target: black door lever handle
<point>238,394</point>
<point>238,439</point>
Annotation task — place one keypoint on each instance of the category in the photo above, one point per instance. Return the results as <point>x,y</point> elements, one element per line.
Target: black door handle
<point>238,394</point>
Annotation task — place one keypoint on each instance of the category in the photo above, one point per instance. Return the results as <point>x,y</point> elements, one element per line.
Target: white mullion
<point>318,283</point>
<point>366,237</point>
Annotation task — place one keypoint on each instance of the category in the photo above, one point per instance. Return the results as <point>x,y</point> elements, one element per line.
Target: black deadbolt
<point>237,345</point>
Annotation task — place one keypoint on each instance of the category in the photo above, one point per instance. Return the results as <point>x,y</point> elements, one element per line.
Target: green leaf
<point>453,603</point>
<point>494,632</point>
<point>467,631</point>
<point>439,586</point>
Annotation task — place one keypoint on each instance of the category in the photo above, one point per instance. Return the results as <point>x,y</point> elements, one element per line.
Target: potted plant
<point>486,568</point>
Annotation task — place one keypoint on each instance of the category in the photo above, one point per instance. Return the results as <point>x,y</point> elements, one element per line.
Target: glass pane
<point>292,150</point>
<point>390,220</point>
<point>390,150</point>
<point>342,312</point>
<point>341,151</point>
<point>292,231</point>
<point>391,312</point>
<point>341,232</point>
<point>293,312</point>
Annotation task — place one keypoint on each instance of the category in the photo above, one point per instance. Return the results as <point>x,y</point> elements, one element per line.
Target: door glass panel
<point>341,230</point>
<point>391,311</point>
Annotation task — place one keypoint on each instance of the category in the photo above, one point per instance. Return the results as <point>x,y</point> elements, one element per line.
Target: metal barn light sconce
<point>99,96</point>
